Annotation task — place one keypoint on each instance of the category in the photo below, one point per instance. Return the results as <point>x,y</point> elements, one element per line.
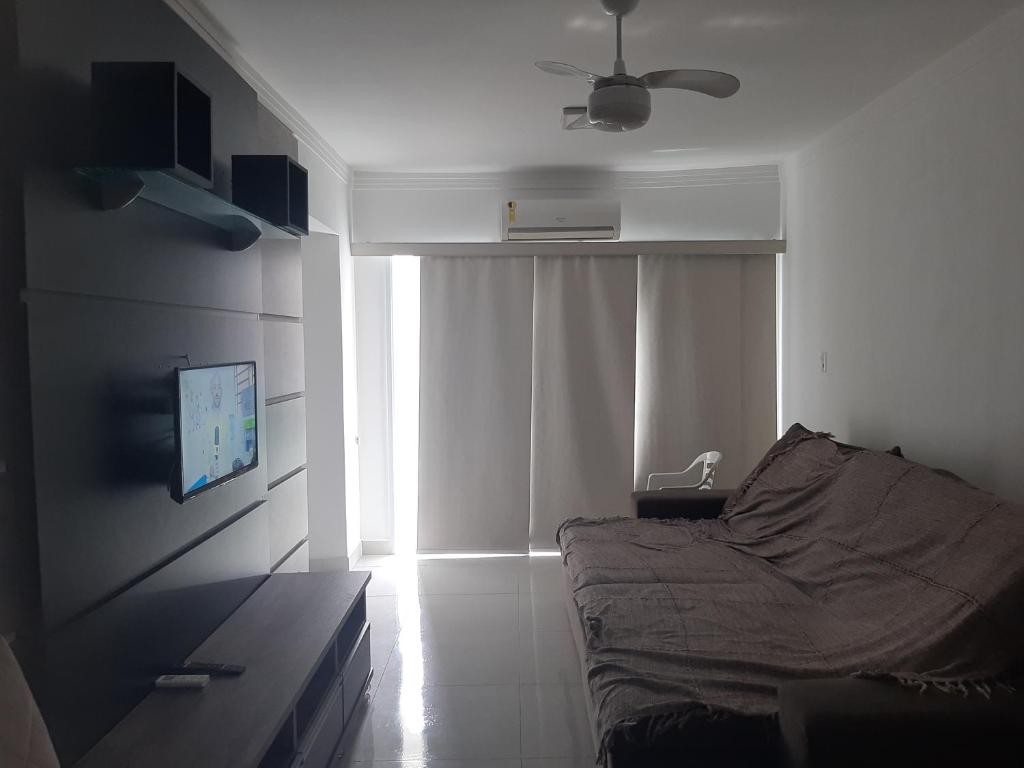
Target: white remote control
<point>182,681</point>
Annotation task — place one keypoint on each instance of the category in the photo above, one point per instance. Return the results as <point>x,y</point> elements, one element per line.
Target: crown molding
<point>199,19</point>
<point>568,179</point>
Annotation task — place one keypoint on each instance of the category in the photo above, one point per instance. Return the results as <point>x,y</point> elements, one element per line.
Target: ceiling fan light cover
<point>626,106</point>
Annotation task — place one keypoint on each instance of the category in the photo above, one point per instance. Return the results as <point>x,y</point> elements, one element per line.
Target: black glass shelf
<point>120,187</point>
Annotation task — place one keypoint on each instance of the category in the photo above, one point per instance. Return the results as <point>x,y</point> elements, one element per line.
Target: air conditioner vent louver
<point>560,219</point>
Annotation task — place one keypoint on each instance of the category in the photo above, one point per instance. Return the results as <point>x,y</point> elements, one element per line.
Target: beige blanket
<point>828,561</point>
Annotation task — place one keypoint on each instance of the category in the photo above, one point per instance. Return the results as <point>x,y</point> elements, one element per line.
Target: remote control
<point>182,681</point>
<point>211,668</point>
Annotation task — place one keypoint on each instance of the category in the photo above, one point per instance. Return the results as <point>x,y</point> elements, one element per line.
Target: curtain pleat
<point>705,369</point>
<point>551,387</point>
<point>584,326</point>
<point>476,331</point>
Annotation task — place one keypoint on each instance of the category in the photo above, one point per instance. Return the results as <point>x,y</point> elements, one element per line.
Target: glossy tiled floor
<point>473,666</point>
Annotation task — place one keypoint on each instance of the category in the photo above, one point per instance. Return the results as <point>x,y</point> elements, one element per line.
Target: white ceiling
<point>431,85</point>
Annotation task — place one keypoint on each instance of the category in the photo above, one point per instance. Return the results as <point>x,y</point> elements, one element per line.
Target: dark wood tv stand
<point>305,642</point>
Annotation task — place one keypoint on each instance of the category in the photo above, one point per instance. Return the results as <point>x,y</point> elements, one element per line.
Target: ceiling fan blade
<point>558,68</point>
<point>717,84</point>
<point>575,119</point>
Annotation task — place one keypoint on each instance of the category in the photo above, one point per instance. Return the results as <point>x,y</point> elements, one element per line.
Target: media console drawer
<point>356,672</point>
<point>317,747</point>
<point>322,737</point>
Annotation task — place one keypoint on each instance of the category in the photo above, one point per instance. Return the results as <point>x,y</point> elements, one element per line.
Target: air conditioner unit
<point>560,219</point>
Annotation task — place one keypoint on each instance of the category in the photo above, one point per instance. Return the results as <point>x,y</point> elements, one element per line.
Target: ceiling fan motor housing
<point>620,103</point>
<point>619,7</point>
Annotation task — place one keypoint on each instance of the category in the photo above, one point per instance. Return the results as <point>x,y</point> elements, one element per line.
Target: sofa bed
<point>841,607</point>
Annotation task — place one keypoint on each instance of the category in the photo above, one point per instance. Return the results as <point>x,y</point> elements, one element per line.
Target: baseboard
<point>378,547</point>
<point>355,554</point>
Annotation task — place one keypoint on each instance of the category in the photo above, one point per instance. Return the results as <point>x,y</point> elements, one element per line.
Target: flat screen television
<point>215,426</point>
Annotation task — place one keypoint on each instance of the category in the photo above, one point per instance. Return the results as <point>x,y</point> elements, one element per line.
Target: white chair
<point>710,460</point>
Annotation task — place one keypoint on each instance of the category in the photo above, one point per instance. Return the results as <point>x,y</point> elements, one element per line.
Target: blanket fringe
<point>965,687</point>
<point>649,729</point>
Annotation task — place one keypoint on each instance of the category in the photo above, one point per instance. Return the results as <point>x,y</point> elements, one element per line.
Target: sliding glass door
<point>521,391</point>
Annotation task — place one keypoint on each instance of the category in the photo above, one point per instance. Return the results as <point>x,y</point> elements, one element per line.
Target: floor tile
<point>382,613</point>
<point>443,617</point>
<point>385,624</point>
<point>482,657</point>
<point>446,722</point>
<point>548,657</point>
<point>379,659</point>
<point>386,581</point>
<point>473,665</point>
<point>370,561</point>
<point>542,575</point>
<point>446,578</point>
<point>469,579</point>
<point>542,612</point>
<point>555,722</point>
<point>485,560</point>
<point>437,763</point>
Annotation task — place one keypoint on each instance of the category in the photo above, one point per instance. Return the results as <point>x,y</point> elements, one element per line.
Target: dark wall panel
<point>288,519</point>
<point>60,39</point>
<point>285,372</point>
<point>297,562</point>
<point>102,388</point>
<point>100,666</point>
<point>286,437</point>
<point>129,578</point>
<point>282,277</point>
<point>143,252</point>
<point>275,137</point>
<point>19,579</point>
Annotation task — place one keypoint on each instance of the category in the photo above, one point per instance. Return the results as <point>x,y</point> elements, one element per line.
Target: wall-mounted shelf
<point>119,187</point>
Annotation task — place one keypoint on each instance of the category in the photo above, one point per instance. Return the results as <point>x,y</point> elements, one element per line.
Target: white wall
<point>333,457</point>
<point>373,365</point>
<point>906,265</point>
<point>727,203</point>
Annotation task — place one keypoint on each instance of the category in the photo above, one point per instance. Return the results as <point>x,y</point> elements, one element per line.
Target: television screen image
<point>216,424</point>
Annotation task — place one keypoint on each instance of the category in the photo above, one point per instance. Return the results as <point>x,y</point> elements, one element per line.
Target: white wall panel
<point>288,515</point>
<point>284,371</point>
<point>286,437</point>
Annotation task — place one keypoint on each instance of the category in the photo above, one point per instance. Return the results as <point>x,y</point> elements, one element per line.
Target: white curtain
<point>476,331</point>
<point>584,326</point>
<point>705,369</point>
<point>551,387</point>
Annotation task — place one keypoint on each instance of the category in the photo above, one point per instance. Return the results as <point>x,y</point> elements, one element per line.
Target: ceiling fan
<point>621,102</point>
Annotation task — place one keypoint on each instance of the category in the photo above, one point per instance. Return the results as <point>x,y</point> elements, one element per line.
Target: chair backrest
<point>710,460</point>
